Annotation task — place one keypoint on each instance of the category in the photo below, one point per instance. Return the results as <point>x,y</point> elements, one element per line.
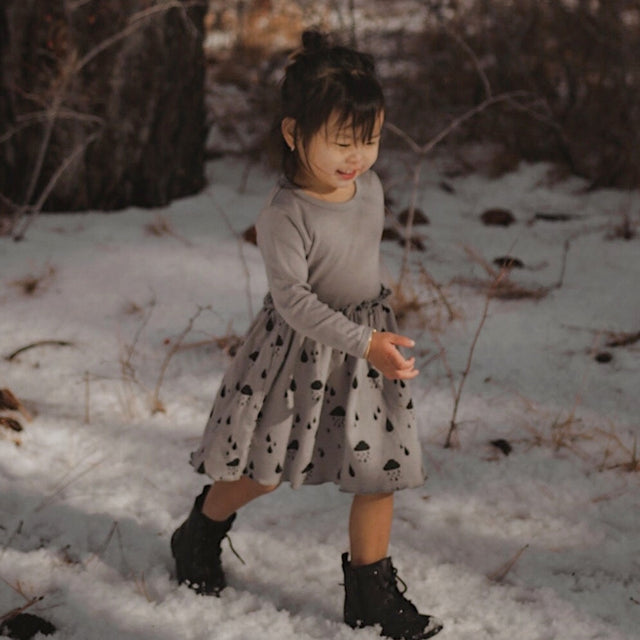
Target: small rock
<point>508,262</point>
<point>498,217</point>
<point>10,423</point>
<point>419,217</point>
<point>503,445</point>
<point>250,235</point>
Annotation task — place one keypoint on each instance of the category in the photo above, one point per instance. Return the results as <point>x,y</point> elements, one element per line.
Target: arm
<point>282,243</point>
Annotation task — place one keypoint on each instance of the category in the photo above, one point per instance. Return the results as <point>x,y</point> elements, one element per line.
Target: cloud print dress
<point>299,403</point>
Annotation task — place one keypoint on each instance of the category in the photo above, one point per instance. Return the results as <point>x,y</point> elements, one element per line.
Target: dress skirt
<point>292,409</point>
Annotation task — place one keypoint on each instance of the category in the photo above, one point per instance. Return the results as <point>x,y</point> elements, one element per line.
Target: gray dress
<point>299,403</point>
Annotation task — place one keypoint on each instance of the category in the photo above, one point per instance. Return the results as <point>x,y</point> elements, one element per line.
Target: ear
<point>288,128</point>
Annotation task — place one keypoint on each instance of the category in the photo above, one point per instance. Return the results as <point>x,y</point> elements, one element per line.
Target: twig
<point>18,610</point>
<point>11,538</point>
<point>128,371</point>
<point>423,150</point>
<point>465,373</point>
<point>71,69</point>
<point>432,282</point>
<point>52,114</point>
<point>34,210</point>
<point>241,243</point>
<point>106,543</point>
<point>156,404</point>
<point>500,574</point>
<point>623,339</point>
<point>61,487</point>
<point>471,53</point>
<point>39,343</point>
<point>87,397</point>
<point>136,21</point>
<point>36,117</point>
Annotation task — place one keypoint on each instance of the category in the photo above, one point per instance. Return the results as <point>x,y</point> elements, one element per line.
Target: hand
<point>384,356</point>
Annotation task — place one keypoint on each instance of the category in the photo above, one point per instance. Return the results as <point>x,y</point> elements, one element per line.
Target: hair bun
<point>314,41</point>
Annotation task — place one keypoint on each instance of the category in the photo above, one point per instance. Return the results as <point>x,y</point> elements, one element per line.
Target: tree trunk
<point>101,103</point>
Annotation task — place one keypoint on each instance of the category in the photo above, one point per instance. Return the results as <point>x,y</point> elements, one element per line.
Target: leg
<point>196,544</point>
<point>225,498</point>
<point>371,591</point>
<point>370,527</point>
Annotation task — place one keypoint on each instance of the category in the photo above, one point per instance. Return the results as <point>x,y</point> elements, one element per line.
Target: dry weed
<point>159,227</point>
<point>35,283</point>
<point>626,229</point>
<point>505,288</point>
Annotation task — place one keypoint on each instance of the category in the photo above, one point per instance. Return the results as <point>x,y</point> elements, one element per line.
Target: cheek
<point>371,156</point>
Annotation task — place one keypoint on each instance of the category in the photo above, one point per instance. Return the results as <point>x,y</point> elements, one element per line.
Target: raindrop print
<point>246,390</point>
<point>389,425</point>
<point>393,469</point>
<point>254,355</point>
<point>362,451</point>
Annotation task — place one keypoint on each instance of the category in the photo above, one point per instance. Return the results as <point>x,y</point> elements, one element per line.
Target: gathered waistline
<point>385,292</point>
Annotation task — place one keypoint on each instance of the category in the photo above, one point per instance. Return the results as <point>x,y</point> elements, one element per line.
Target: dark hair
<point>322,79</point>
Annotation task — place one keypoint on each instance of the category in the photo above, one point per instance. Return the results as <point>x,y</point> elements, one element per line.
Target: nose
<point>355,157</point>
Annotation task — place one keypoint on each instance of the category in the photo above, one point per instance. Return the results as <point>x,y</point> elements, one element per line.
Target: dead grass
<point>35,283</point>
<point>506,288</point>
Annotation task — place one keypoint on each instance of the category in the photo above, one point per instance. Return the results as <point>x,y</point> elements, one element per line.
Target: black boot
<point>372,597</point>
<point>195,546</point>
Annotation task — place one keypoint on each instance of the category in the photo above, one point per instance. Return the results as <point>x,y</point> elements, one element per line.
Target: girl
<point>318,391</point>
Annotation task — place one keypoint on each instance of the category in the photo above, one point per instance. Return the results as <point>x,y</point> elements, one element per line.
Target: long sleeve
<point>285,244</point>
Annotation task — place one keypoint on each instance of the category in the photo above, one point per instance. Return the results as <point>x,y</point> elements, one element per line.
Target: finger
<point>410,363</point>
<point>406,375</point>
<point>401,341</point>
<point>401,362</point>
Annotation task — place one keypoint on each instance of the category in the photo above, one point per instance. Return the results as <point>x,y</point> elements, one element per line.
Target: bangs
<point>360,107</point>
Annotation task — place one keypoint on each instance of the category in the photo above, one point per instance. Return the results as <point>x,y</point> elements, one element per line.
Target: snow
<point>540,544</point>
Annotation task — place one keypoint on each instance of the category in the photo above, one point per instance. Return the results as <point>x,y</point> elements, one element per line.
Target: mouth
<point>347,175</point>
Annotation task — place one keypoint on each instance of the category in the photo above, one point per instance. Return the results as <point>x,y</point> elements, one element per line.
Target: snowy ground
<point>540,544</point>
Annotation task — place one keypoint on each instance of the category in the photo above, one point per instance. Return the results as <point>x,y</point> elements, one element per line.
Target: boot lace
<point>236,554</point>
<point>395,595</point>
